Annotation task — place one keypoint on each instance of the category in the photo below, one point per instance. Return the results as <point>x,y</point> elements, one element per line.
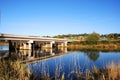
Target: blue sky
<point>54,17</point>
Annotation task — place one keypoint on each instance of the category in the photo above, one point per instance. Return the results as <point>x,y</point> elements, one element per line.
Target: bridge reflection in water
<point>33,55</point>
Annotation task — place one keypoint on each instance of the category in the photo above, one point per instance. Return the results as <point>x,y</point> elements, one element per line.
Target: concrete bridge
<point>30,42</point>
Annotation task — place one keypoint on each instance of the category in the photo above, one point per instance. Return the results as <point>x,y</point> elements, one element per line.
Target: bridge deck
<point>34,38</point>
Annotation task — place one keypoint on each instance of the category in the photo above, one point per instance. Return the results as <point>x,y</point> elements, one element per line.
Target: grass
<point>111,72</point>
<point>101,47</point>
<point>13,70</point>
<point>114,71</point>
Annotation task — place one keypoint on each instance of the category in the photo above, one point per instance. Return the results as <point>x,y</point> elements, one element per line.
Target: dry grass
<point>109,47</point>
<point>4,44</point>
<point>13,70</point>
<point>10,70</point>
<point>113,71</point>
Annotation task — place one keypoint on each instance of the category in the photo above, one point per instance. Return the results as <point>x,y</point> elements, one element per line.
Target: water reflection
<point>4,54</point>
<point>4,51</point>
<point>37,54</point>
<point>73,63</point>
<point>4,48</point>
<point>92,55</point>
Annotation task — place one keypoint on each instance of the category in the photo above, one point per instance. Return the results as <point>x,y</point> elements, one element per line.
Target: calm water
<point>4,47</point>
<point>75,61</point>
<point>4,51</point>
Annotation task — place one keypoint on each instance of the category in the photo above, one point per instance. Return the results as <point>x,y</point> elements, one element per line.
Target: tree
<point>92,55</point>
<point>93,38</point>
<point>111,36</point>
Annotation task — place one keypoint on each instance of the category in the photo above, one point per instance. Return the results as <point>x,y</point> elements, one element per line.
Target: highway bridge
<point>30,42</point>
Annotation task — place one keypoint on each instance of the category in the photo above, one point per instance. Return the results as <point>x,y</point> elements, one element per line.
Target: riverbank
<point>100,47</point>
<point>4,43</point>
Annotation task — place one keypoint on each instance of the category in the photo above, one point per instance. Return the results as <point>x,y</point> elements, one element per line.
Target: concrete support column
<point>65,49</point>
<point>10,47</point>
<point>24,45</point>
<point>51,44</point>
<point>51,52</point>
<point>65,44</point>
<point>29,44</point>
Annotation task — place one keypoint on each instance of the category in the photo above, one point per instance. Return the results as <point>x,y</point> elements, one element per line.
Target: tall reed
<point>10,70</point>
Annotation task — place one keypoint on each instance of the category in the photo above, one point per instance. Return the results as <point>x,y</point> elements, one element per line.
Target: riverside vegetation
<point>94,41</point>
<point>98,45</point>
<point>13,70</point>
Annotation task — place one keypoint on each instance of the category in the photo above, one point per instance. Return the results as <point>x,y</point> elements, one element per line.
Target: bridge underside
<point>30,44</point>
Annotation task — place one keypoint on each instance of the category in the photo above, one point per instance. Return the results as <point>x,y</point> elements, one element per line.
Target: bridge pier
<point>48,44</point>
<point>13,45</point>
<point>26,44</point>
<point>62,45</point>
<point>65,44</point>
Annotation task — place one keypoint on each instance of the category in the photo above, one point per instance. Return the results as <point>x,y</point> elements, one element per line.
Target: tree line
<point>92,38</point>
<point>109,36</point>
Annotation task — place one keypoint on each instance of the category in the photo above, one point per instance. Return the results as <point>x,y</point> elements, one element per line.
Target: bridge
<point>29,42</point>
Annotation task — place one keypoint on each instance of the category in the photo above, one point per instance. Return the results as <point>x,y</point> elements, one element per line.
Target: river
<point>78,61</point>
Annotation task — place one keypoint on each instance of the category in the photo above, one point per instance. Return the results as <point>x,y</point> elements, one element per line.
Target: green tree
<point>92,55</point>
<point>93,38</point>
<point>111,36</point>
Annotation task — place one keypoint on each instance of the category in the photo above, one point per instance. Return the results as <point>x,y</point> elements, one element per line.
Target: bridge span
<point>30,42</point>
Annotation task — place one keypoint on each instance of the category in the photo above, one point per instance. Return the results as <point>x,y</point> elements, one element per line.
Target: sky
<point>55,17</point>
